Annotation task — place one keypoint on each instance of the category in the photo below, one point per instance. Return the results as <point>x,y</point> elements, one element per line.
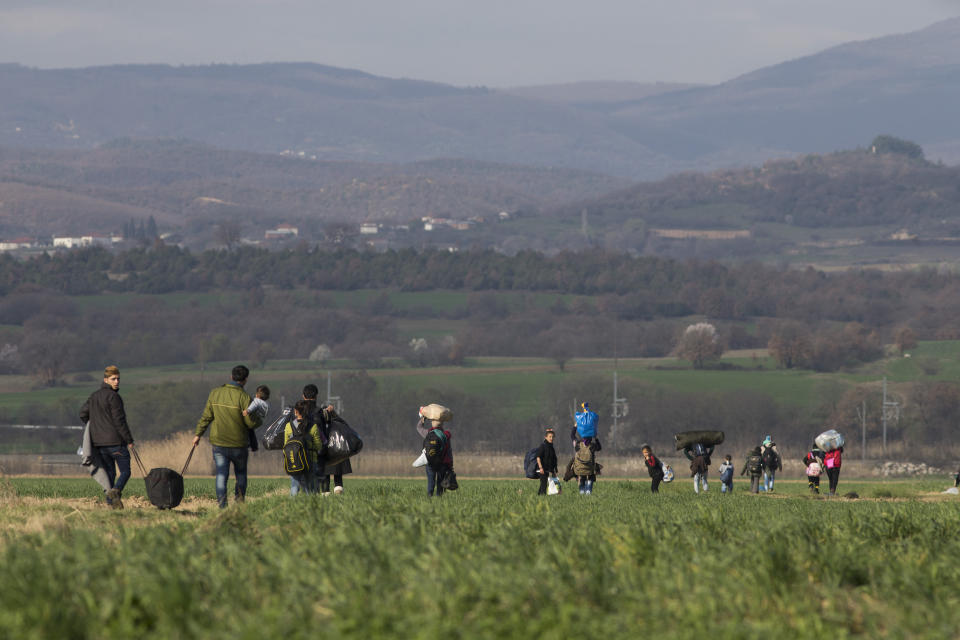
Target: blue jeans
<point>113,458</point>
<point>433,482</point>
<point>768,479</point>
<point>304,485</point>
<point>222,457</point>
<point>698,480</point>
<point>726,486</point>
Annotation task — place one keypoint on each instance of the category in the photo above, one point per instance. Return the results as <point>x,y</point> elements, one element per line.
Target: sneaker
<point>113,499</point>
<point>238,498</point>
<point>326,493</point>
<point>338,490</point>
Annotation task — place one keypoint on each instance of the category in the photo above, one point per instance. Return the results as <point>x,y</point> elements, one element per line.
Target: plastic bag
<point>342,442</point>
<point>422,460</point>
<point>553,486</point>
<point>667,473</point>
<point>829,440</point>
<point>273,434</point>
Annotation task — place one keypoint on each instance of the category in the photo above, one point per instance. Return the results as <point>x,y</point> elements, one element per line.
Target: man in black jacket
<point>546,461</point>
<point>109,433</point>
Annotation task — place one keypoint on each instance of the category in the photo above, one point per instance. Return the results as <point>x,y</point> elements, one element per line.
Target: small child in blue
<point>726,474</point>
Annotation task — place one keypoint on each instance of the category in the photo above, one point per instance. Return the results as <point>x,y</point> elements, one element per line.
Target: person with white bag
<point>654,468</point>
<point>437,451</point>
<point>546,461</point>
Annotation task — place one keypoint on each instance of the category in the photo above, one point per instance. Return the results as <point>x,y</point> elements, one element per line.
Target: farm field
<point>491,560</point>
<point>522,380</point>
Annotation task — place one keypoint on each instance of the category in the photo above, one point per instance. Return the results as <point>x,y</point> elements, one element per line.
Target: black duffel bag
<point>164,486</point>
<point>706,438</point>
<point>342,442</point>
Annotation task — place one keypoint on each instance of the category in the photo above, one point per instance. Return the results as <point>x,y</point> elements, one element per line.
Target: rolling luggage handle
<point>187,463</point>
<point>136,456</point>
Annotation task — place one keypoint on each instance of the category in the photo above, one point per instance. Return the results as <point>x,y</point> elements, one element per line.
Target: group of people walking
<point>762,463</point>
<point>231,415</point>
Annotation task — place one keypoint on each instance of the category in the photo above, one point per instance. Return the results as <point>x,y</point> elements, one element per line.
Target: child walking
<point>304,424</point>
<point>258,408</point>
<point>754,464</point>
<point>814,462</point>
<point>654,468</point>
<point>726,474</point>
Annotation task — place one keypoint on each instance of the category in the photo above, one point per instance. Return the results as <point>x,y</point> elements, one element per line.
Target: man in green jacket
<point>228,432</point>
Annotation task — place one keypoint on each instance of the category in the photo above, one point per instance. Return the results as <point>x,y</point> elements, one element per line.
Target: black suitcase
<point>164,486</point>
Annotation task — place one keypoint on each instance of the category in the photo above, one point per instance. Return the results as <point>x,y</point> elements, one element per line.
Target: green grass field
<point>520,383</point>
<point>491,560</point>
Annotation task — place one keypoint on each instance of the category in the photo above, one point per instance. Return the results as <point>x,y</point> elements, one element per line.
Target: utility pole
<point>620,407</point>
<point>862,414</point>
<point>890,410</point>
<point>332,399</point>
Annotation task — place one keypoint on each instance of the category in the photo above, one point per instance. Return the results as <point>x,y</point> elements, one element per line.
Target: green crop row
<point>489,561</point>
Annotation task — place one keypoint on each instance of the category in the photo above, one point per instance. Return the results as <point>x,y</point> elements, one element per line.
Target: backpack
<point>296,452</point>
<point>530,464</point>
<point>755,465</point>
<point>770,459</point>
<point>435,445</point>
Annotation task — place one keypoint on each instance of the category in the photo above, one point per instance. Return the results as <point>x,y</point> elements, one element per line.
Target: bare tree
<point>791,345</point>
<point>904,338</point>
<point>228,233</point>
<point>699,344</point>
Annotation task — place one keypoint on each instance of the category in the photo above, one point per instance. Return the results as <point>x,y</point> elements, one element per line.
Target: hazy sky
<point>478,42</point>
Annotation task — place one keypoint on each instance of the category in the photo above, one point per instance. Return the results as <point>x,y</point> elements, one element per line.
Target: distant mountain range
<point>905,85</point>
<point>189,186</point>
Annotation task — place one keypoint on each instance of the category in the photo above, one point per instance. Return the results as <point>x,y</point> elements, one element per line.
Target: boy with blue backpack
<point>726,474</point>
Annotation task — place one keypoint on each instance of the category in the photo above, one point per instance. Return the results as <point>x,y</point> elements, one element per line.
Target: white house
<point>283,231</point>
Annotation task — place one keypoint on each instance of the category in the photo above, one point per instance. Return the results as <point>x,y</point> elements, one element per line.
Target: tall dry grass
<point>172,453</point>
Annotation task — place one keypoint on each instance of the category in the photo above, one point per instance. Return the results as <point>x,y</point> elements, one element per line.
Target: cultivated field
<point>491,560</point>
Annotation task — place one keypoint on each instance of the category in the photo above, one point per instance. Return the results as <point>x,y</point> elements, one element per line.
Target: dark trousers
<point>754,483</point>
<point>834,476</point>
<point>223,457</point>
<point>434,476</point>
<point>113,458</point>
<point>325,482</point>
<point>814,483</point>
<point>655,483</point>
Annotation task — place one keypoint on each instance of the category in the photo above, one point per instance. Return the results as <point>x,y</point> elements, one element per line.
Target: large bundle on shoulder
<point>706,438</point>
<point>829,440</point>
<point>342,441</point>
<point>436,412</point>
